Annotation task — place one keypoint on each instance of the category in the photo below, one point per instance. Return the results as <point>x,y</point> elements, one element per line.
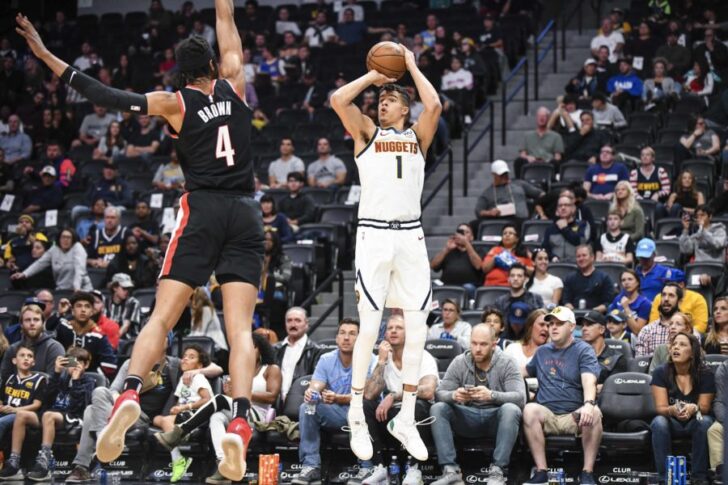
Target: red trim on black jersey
<point>182,223</point>
<point>232,86</point>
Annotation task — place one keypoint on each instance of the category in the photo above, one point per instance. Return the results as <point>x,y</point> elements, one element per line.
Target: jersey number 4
<point>224,148</point>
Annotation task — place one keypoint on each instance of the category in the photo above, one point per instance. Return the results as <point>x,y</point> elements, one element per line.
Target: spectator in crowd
<point>328,171</point>
<point>615,246</point>
<point>606,115</point>
<point>81,331</point>
<point>607,37</point>
<point>122,307</point>
<point>88,58</point>
<point>279,169</point>
<point>625,88</point>
<point>636,307</point>
<point>351,31</point>
<point>679,323</point>
<point>549,287</point>
<point>535,334</point>
<point>519,303</point>
<point>144,228</point>
<point>157,400</point>
<point>494,317</point>
<point>459,261</point>
<point>106,326</point>
<point>605,67</point>
<point>188,397</point>
<point>566,233</point>
<point>428,35</point>
<point>701,142</point>
<point>659,90</point>
<point>169,175</point>
<point>704,241</point>
<point>145,141</point>
<point>589,287</point>
<point>86,226</point>
<point>112,187</point>
<point>93,127</point>
<point>676,55</point>
<point>658,331</point>
<point>296,354</point>
<point>298,207</point>
<point>274,219</point>
<point>320,32</point>
<point>386,380</point>
<point>457,84</point>
<point>276,274</point>
<point>618,329</point>
<point>715,432</point>
<point>25,390</point>
<point>132,261</point>
<point>284,24</point>
<point>205,322</point>
<point>692,303</point>
<point>594,332</point>
<point>201,29</point>
<point>450,326</point>
<point>16,144</point>
<point>683,391</point>
<point>625,202</point>
<point>685,197</point>
<point>601,179</point>
<point>63,164</point>
<point>482,392</point>
<point>540,145</point>
<point>67,394</point>
<point>112,145</point>
<point>567,108</point>
<point>584,142</point>
<point>18,250</point>
<point>642,48</point>
<point>67,259</point>
<point>49,196</point>
<point>567,372</point>
<point>43,279</point>
<point>717,340</point>
<point>497,263</point>
<point>107,242</point>
<point>699,81</point>
<point>331,379</point>
<point>649,182</point>
<point>588,82</point>
<point>712,49</point>
<point>505,198</point>
<point>46,348</point>
<point>7,184</point>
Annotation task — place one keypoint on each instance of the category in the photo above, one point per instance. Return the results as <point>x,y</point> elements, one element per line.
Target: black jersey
<point>213,145</point>
<point>22,391</point>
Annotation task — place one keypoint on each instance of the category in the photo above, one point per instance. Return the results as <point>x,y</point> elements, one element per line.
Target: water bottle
<point>311,405</point>
<point>582,304</point>
<point>556,477</point>
<point>393,471</point>
<point>103,477</point>
<point>52,469</point>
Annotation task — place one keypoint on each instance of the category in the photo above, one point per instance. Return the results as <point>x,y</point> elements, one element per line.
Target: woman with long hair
<point>635,306</point>
<point>633,218</point>
<point>683,391</point>
<point>542,282</point>
<point>679,323</point>
<point>205,322</point>
<point>717,340</point>
<point>685,196</point>
<point>500,258</point>
<point>112,144</point>
<point>660,89</point>
<point>272,218</point>
<point>535,334</point>
<point>699,81</point>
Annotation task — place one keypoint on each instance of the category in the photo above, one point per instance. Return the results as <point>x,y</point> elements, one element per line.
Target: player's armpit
<point>168,105</point>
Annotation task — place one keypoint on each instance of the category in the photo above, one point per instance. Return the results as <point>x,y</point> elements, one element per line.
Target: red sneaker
<point>110,441</point>
<point>235,446</point>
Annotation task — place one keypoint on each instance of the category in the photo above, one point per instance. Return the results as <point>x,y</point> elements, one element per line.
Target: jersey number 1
<point>399,166</point>
<point>224,148</point>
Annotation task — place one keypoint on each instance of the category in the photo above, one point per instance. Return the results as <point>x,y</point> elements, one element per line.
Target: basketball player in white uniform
<point>392,267</point>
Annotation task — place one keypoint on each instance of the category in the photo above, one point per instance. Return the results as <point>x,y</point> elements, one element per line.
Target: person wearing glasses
<point>566,233</point>
<point>459,261</point>
<point>601,179</point>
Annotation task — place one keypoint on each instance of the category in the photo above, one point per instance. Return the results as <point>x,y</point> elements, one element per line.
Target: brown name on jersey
<point>395,146</point>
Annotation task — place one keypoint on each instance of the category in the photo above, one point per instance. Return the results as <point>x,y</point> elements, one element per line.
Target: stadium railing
<point>447,179</point>
<point>338,274</point>
<point>539,55</point>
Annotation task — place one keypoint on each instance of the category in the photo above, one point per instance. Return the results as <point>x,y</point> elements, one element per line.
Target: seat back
<point>639,364</point>
<point>614,270</point>
<point>294,398</point>
<point>627,395</point>
<point>533,231</point>
<point>693,270</point>
<point>471,316</point>
<point>715,360</point>
<point>12,301</point>
<point>487,295</point>
<point>598,208</point>
<point>562,270</point>
<point>490,230</point>
<point>457,293</point>
<point>444,351</point>
<point>668,228</point>
<point>539,174</point>
<point>667,251</point>
<point>621,346</point>
<point>573,171</point>
<point>206,343</point>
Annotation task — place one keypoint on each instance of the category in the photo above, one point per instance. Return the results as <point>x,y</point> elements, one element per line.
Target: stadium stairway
<point>437,223</point>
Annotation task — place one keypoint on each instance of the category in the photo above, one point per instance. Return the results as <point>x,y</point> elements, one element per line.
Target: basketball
<point>388,59</point>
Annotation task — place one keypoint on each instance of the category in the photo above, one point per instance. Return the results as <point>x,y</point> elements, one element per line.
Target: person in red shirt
<point>106,325</point>
<point>499,259</point>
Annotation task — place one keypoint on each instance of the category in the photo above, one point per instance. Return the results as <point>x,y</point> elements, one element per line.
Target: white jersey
<point>392,174</point>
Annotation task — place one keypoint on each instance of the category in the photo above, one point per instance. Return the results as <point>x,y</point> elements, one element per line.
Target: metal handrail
<point>539,57</point>
<point>507,98</point>
<point>339,302</point>
<point>467,147</point>
<point>448,178</point>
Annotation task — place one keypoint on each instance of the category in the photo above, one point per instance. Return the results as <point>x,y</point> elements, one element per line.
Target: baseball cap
<point>616,316</point>
<point>518,313</point>
<point>589,61</point>
<point>499,167</point>
<point>32,300</point>
<point>123,280</point>
<point>645,248</point>
<point>592,317</point>
<point>98,295</point>
<point>561,313</point>
<point>48,170</point>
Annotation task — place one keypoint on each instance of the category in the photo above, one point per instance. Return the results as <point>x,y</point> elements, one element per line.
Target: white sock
<point>415,323</point>
<point>357,400</point>
<point>176,454</point>
<point>408,406</point>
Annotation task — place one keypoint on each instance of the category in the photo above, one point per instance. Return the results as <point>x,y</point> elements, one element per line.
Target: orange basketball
<point>387,58</point>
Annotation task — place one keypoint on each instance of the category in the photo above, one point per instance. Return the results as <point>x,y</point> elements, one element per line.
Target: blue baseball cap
<point>645,248</point>
<point>518,313</point>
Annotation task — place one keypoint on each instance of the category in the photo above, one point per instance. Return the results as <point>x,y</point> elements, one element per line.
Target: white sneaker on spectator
<point>451,474</point>
<point>413,476</point>
<point>378,476</point>
<point>496,476</point>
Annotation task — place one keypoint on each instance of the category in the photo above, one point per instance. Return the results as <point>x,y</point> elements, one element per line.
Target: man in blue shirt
<point>332,381</point>
<point>653,276</point>
<point>567,371</point>
<point>601,179</point>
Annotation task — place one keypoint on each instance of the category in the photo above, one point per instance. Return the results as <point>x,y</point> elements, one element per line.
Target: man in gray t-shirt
<point>279,169</point>
<point>540,145</point>
<point>94,126</point>
<point>328,170</point>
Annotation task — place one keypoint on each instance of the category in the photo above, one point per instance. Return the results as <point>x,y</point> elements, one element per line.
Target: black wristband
<point>102,95</point>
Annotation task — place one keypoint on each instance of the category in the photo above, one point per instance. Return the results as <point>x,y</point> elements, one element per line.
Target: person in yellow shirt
<point>693,303</point>
<point>17,251</point>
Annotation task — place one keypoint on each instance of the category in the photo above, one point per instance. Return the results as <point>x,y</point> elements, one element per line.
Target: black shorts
<point>215,232</point>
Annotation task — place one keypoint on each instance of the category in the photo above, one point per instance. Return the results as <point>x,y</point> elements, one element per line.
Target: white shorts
<point>392,269</point>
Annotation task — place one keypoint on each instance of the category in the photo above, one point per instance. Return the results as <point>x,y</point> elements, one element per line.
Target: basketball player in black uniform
<point>219,227</point>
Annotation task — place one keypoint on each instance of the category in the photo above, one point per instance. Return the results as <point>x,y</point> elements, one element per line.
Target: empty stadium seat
<point>598,208</point>
<point>456,293</point>
<point>562,270</point>
<point>626,397</point>
<point>614,270</point>
<point>668,228</point>
<point>621,346</point>
<point>444,351</point>
<point>694,270</point>
<point>487,295</point>
<point>12,301</point>
<point>534,230</point>
<point>539,174</point>
<point>573,171</point>
<point>471,316</point>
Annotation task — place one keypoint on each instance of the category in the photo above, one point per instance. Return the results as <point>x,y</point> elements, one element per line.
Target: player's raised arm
<point>426,125</point>
<point>231,47</point>
<point>360,126</point>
